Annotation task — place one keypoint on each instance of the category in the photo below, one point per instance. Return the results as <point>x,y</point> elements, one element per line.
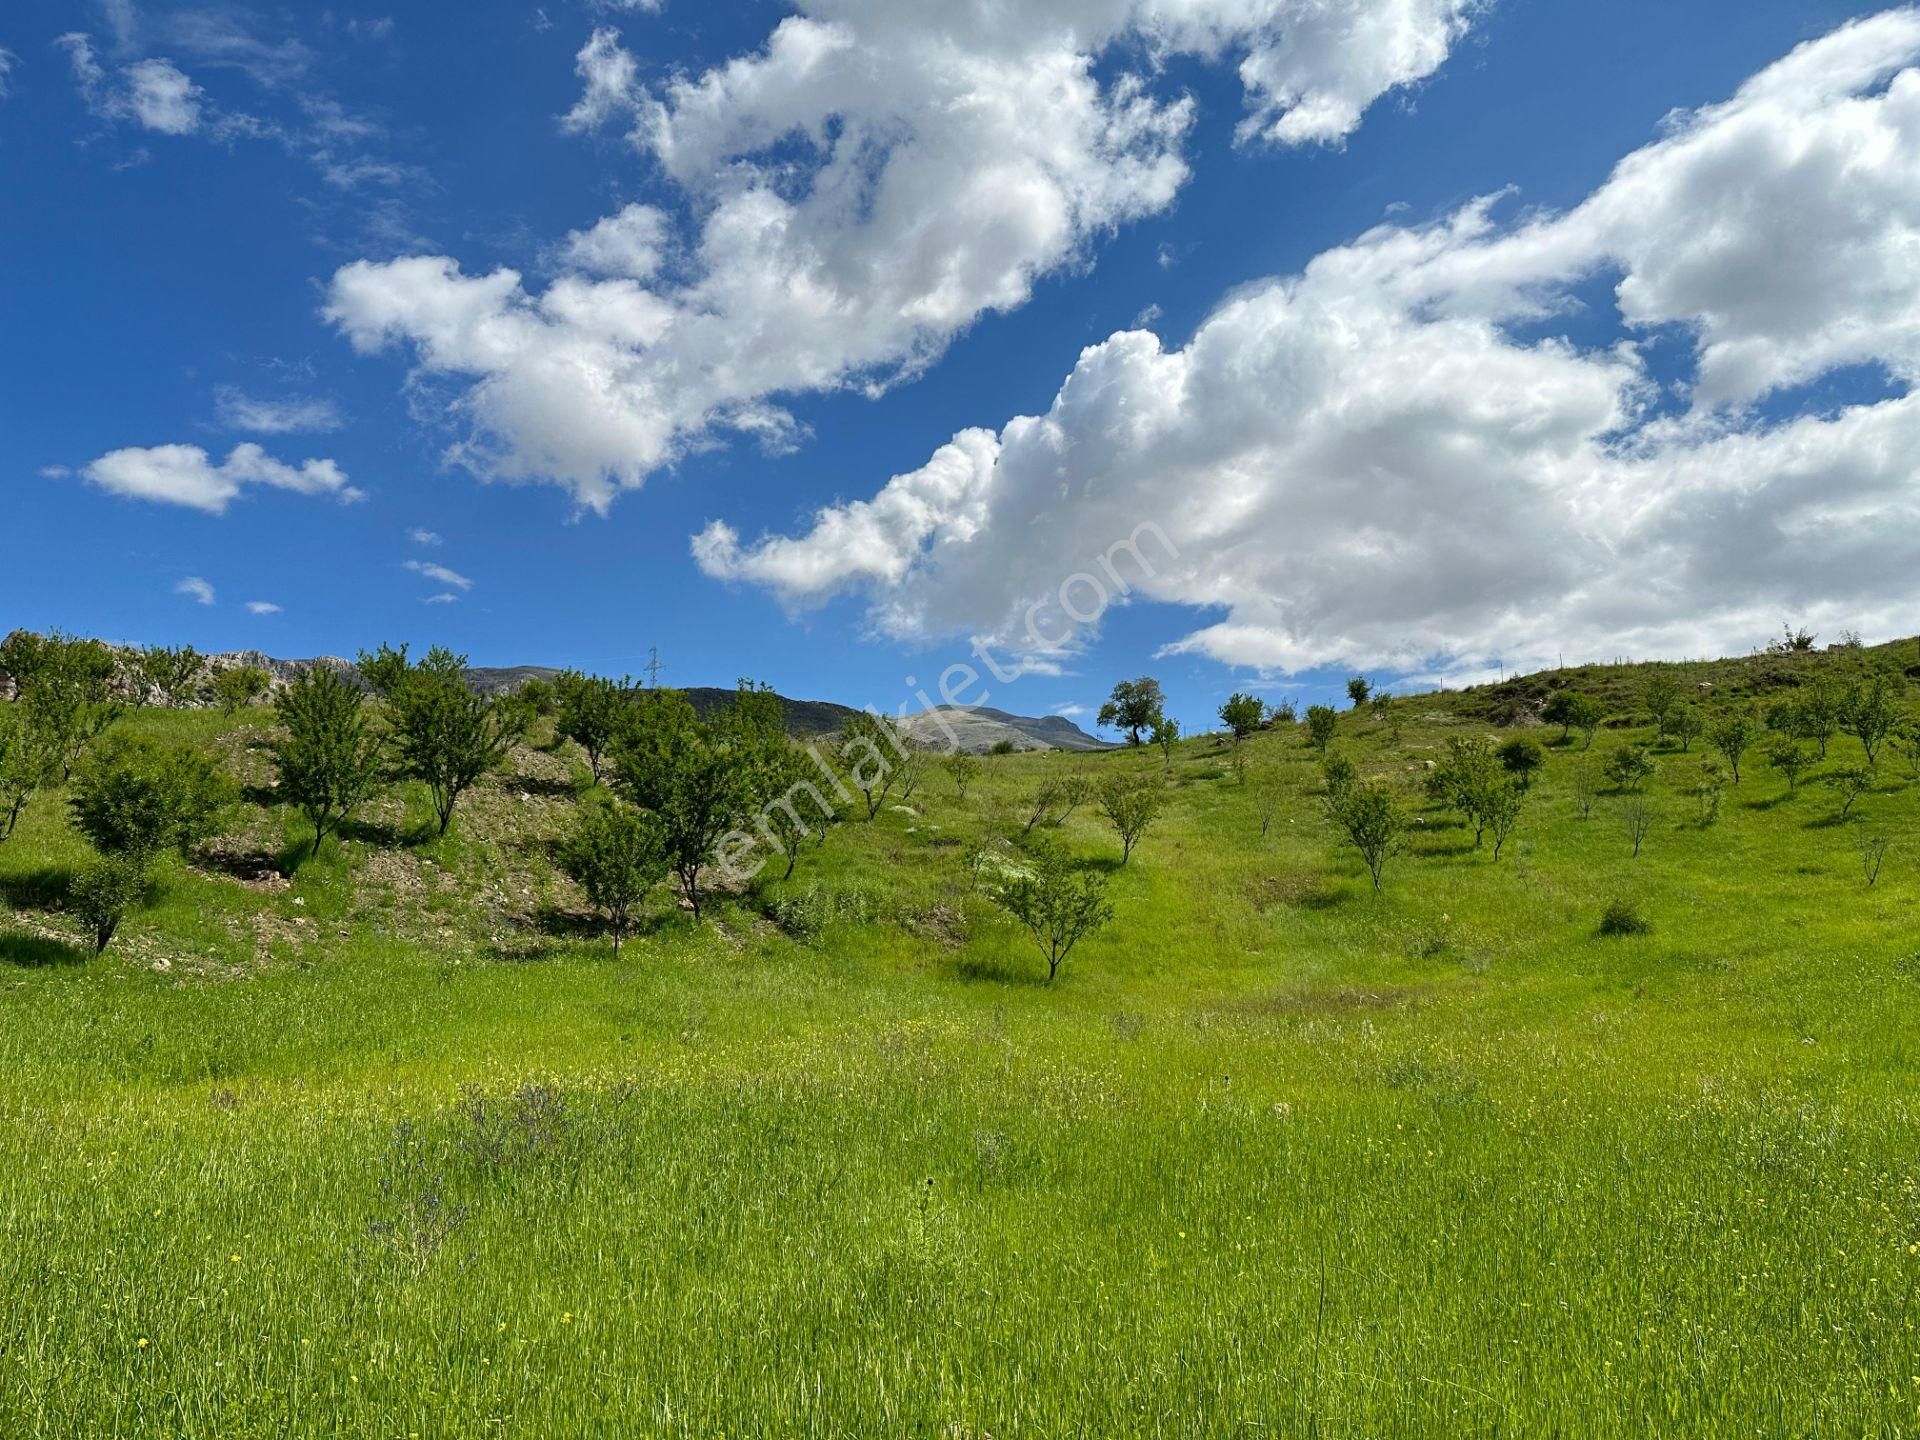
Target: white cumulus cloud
<point>875,178</point>
<point>262,607</point>
<point>1398,458</point>
<point>186,475</point>
<point>195,589</point>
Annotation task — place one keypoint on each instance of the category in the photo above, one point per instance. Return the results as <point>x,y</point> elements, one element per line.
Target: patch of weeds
<point>528,1126</point>
<point>416,1221</point>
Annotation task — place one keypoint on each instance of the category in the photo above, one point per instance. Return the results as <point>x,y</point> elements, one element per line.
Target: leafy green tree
<point>785,779</point>
<point>1733,734</point>
<point>172,672</point>
<point>104,892</point>
<point>1522,757</point>
<point>873,748</point>
<point>695,776</point>
<point>1135,706</point>
<point>617,855</point>
<point>1660,697</point>
<point>1358,689</point>
<point>1571,710</point>
<point>1243,714</point>
<point>1686,725</point>
<point>1321,721</point>
<point>1849,783</point>
<point>1467,778</point>
<point>1867,713</point>
<point>1130,803</point>
<point>963,769</point>
<point>384,670</point>
<point>1818,711</point>
<point>65,689</point>
<point>1791,758</point>
<point>28,761</point>
<point>1058,905</point>
<point>136,798</point>
<point>1339,775</point>
<point>537,695</point>
<point>1166,735</point>
<point>590,711</point>
<point>1502,811</point>
<point>1629,767</point>
<point>445,734</point>
<point>1369,815</point>
<point>329,755</point>
<point>240,687</point>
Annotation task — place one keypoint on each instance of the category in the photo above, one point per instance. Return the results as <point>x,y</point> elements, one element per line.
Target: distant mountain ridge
<point>979,728</point>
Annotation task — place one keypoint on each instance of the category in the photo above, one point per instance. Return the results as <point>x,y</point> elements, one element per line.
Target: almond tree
<point>589,710</point>
<point>1733,734</point>
<point>446,735</point>
<point>696,776</point>
<point>1058,905</point>
<point>874,750</point>
<point>1369,815</point>
<point>1130,803</point>
<point>330,757</point>
<point>1866,712</point>
<point>1166,735</point>
<point>961,769</point>
<point>617,855</point>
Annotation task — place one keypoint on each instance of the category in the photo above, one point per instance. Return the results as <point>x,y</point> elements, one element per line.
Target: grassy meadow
<point>396,1148</point>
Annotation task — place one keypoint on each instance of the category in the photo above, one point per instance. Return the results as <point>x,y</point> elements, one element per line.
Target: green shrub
<point>135,798</point>
<point>104,892</point>
<point>1621,918</point>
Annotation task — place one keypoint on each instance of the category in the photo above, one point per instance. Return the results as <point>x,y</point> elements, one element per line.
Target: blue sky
<point>189,185</point>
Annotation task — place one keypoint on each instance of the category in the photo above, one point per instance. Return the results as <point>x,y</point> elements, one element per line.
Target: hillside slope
<point>1757,677</point>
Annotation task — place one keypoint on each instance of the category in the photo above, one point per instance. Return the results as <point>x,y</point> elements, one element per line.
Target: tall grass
<point>367,1156</point>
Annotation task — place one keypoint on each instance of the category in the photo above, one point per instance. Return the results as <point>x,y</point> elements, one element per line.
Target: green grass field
<point>398,1149</point>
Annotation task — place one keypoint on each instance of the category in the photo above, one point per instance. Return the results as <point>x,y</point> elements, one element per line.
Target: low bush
<point>1622,918</point>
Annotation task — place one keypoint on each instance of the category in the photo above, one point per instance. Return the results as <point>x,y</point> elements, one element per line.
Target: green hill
<point>385,1141</point>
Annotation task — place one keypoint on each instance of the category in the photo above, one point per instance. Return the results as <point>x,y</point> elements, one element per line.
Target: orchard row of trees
<point>668,791</point>
<point>1487,782</point>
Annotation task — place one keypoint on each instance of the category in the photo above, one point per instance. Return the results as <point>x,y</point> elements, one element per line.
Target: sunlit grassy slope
<point>398,1149</point>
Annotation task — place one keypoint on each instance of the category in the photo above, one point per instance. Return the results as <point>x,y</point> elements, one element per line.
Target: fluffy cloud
<point>262,607</point>
<point>7,61</point>
<point>195,589</point>
<point>186,475</point>
<point>420,536</point>
<point>864,187</point>
<point>1397,459</point>
<point>238,410</point>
